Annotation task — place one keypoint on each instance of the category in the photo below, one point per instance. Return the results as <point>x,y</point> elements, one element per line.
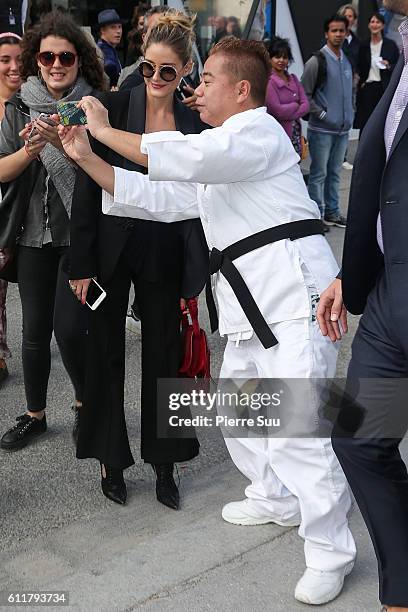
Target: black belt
<point>221,261</point>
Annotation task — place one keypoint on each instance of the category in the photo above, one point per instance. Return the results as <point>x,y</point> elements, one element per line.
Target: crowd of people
<point>169,186</point>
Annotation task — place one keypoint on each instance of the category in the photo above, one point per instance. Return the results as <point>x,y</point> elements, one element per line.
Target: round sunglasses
<point>167,73</point>
<point>66,58</point>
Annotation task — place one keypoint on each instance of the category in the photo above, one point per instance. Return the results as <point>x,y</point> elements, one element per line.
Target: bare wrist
<point>101,133</point>
<point>30,156</point>
<point>87,159</point>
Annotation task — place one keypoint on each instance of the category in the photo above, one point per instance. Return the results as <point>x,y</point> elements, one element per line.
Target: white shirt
<point>374,74</point>
<point>240,178</point>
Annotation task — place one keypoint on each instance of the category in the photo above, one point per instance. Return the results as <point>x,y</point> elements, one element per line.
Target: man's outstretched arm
<point>130,194</point>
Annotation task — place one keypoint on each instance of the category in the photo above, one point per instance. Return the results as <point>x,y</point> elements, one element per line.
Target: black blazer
<point>97,240</point>
<point>379,185</point>
<point>389,52</point>
<point>352,50</point>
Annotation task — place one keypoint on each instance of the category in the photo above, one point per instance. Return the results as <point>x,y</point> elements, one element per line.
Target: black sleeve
<point>85,212</point>
<point>133,80</point>
<point>86,208</point>
<point>394,56</point>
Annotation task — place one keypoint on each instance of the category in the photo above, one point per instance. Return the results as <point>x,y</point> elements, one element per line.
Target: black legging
<point>48,305</point>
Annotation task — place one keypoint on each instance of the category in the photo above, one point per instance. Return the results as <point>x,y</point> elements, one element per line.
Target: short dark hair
<point>335,18</point>
<point>61,25</point>
<point>10,40</point>
<point>378,16</point>
<point>280,47</point>
<point>247,60</point>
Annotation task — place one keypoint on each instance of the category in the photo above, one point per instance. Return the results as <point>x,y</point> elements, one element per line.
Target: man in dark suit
<point>374,281</point>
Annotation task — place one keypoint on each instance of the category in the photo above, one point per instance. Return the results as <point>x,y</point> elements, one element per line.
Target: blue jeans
<point>327,155</point>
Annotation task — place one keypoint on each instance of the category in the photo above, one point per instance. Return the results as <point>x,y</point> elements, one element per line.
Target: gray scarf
<point>39,100</point>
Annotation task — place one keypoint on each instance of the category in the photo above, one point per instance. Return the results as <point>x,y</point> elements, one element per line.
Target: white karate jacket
<point>240,178</point>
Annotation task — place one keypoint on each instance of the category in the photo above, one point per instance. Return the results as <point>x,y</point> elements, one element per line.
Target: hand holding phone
<point>88,291</point>
<point>95,296</point>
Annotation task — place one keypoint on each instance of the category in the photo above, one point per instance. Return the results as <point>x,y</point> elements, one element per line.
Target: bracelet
<point>28,154</point>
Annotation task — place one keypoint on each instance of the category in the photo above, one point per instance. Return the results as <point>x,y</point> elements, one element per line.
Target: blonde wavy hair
<point>175,29</point>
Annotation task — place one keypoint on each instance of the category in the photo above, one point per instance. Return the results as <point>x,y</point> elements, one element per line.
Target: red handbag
<point>196,359</point>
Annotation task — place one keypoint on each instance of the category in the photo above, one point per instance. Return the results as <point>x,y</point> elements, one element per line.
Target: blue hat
<point>108,17</point>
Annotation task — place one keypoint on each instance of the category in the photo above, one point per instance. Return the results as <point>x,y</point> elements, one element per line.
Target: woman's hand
<point>191,100</point>
<point>34,145</point>
<point>49,132</point>
<point>80,288</point>
<point>75,142</point>
<point>96,114</point>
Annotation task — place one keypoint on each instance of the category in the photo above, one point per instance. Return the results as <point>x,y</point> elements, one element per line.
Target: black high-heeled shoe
<point>167,492</point>
<point>113,485</point>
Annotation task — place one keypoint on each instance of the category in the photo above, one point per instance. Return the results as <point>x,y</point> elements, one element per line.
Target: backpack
<point>322,70</point>
<point>321,75</point>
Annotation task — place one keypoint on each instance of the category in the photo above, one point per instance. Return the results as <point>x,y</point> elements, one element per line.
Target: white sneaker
<point>347,165</point>
<point>239,513</point>
<point>317,587</point>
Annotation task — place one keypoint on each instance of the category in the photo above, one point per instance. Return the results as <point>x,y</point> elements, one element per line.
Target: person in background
<point>220,24</point>
<point>377,59</point>
<point>110,35</point>
<point>328,83</point>
<point>13,16</point>
<point>351,48</point>
<point>351,45</point>
<point>285,97</point>
<point>10,81</point>
<point>135,39</point>
<point>57,63</point>
<point>130,76</point>
<point>233,28</point>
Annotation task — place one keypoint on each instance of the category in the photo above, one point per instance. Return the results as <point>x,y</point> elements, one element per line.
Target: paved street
<point>58,532</point>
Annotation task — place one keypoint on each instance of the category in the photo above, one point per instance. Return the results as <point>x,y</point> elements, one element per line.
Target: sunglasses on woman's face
<point>167,73</point>
<point>47,58</point>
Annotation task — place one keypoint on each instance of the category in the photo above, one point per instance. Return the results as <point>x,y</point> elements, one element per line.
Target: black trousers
<point>48,305</point>
<point>367,436</point>
<point>103,433</point>
<point>367,99</point>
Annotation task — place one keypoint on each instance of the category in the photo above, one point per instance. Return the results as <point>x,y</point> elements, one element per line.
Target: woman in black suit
<point>164,262</point>
<point>377,59</point>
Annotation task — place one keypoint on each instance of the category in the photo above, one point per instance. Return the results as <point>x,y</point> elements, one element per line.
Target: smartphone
<point>43,117</point>
<point>180,89</point>
<point>95,295</point>
<point>70,114</point>
<point>47,119</point>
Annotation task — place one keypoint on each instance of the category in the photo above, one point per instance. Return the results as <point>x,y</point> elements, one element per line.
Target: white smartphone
<point>43,117</point>
<point>95,296</point>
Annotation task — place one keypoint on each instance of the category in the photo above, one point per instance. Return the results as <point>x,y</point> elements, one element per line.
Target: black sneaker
<point>20,435</point>
<point>339,221</point>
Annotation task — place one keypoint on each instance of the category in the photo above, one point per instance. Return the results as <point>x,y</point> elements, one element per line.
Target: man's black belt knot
<point>222,261</point>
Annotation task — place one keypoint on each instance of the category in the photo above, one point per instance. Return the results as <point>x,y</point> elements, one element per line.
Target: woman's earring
<point>40,77</point>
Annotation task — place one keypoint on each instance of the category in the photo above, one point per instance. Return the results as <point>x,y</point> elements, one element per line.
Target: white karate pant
<point>289,475</point>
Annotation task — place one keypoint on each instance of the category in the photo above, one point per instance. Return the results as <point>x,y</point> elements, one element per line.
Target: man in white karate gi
<point>241,178</point>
